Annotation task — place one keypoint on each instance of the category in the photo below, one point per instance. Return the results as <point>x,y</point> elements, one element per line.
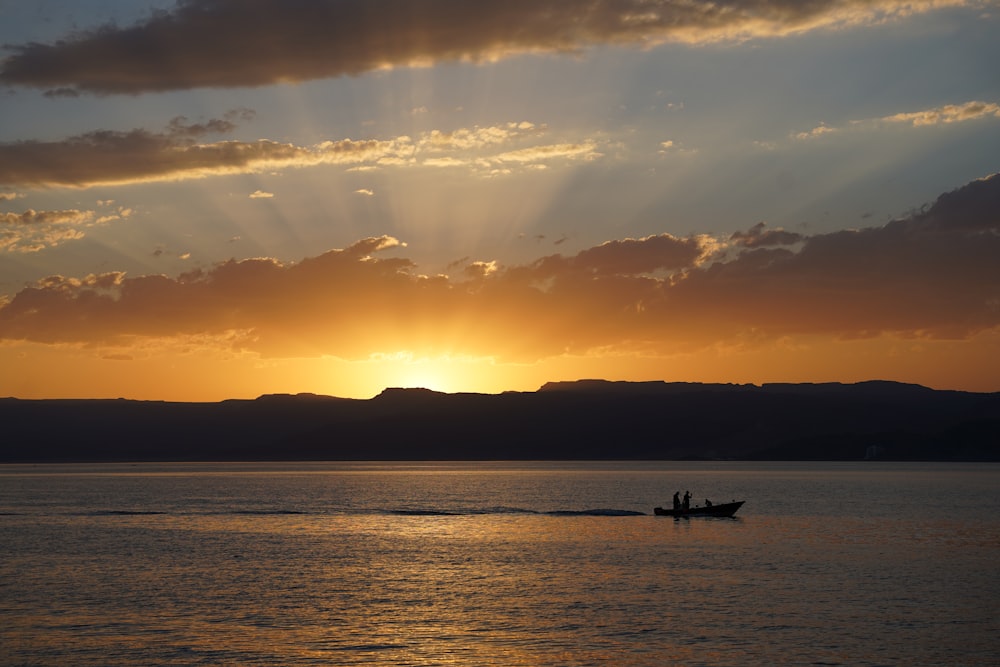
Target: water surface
<point>500,563</point>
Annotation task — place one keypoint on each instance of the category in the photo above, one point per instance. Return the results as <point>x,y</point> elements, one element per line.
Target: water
<point>498,564</point>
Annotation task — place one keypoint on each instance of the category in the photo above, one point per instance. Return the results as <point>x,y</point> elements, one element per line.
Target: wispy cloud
<point>671,147</point>
<point>817,131</point>
<point>260,194</point>
<point>33,217</point>
<point>947,114</point>
<point>107,157</point>
<point>477,137</point>
<point>537,154</point>
<point>226,43</point>
<point>932,274</point>
<point>943,115</point>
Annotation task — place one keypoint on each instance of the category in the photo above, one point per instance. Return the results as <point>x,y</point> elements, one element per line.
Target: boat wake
<point>397,511</point>
<point>513,510</point>
<point>596,512</point>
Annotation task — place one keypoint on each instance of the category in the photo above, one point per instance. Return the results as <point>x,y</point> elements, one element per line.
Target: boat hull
<point>722,509</point>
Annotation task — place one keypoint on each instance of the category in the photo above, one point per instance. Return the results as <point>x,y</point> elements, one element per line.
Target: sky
<point>212,199</point>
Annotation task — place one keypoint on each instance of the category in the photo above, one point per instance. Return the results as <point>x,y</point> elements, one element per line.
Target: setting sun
<point>404,370</point>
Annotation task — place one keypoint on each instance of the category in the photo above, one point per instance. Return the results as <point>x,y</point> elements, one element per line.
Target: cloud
<point>365,191</point>
<point>62,92</point>
<point>180,127</point>
<point>932,274</point>
<point>480,269</point>
<point>32,231</point>
<point>445,162</point>
<point>640,256</point>
<point>227,43</point>
<point>759,236</point>
<point>114,158</point>
<point>950,113</point>
<point>817,131</point>
<point>260,194</point>
<point>106,157</point>
<point>973,208</point>
<point>943,115</point>
<point>477,137</point>
<point>33,217</point>
<point>10,196</point>
<point>537,154</point>
<point>671,147</point>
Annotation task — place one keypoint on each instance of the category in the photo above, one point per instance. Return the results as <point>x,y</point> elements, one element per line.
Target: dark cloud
<point>636,256</point>
<point>107,156</point>
<point>179,127</point>
<point>975,207</point>
<point>224,43</point>
<point>933,274</point>
<point>329,293</point>
<point>62,92</point>
<point>759,236</point>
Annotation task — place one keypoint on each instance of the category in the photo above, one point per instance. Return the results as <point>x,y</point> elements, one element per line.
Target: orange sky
<point>914,301</point>
<point>44,371</point>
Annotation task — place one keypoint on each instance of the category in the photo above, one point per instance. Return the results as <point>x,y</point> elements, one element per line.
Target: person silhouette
<point>687,500</point>
<point>677,500</point>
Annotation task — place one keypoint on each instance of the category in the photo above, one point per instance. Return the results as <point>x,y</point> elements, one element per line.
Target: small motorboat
<point>722,509</point>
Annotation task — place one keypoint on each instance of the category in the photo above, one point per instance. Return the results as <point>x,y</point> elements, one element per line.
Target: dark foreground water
<point>498,564</point>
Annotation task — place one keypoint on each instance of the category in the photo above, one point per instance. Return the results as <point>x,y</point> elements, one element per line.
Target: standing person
<point>687,500</point>
<point>677,500</point>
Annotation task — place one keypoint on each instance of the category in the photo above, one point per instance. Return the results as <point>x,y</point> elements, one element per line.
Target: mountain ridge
<point>584,419</point>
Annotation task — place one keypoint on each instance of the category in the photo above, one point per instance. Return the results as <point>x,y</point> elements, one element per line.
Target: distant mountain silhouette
<point>587,419</point>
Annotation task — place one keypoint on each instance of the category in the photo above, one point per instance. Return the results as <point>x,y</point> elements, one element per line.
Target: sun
<point>426,374</point>
<point>407,370</point>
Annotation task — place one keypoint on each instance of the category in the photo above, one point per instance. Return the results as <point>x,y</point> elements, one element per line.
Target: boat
<point>722,509</point>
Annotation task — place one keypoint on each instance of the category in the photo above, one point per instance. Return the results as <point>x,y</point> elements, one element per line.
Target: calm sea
<point>498,564</point>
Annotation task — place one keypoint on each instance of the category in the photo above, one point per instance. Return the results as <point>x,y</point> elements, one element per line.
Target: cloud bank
<point>228,43</point>
<point>932,274</point>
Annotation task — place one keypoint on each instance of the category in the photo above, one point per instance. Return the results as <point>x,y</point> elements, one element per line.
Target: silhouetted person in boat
<point>687,500</point>
<point>677,500</point>
<point>708,503</point>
